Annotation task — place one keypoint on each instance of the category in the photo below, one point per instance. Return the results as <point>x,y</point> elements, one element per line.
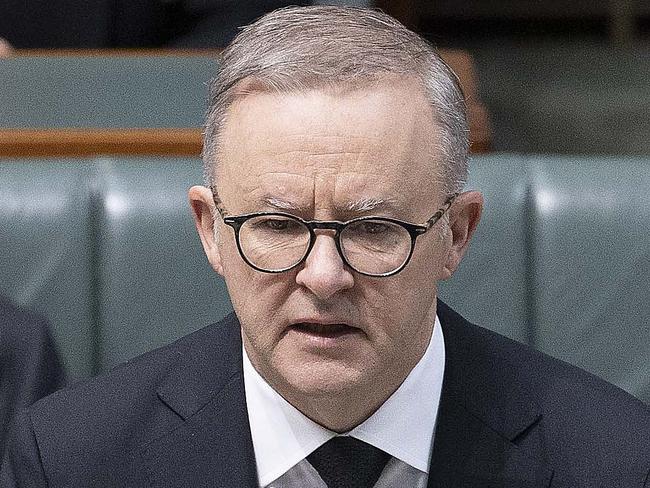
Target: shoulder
<point>135,382</point>
<point>579,416</point>
<point>110,416</point>
<point>31,367</point>
<point>19,328</point>
<point>490,354</point>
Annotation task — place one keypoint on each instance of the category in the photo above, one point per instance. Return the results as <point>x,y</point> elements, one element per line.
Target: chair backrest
<point>495,268</point>
<point>567,98</point>
<point>591,265</point>
<point>104,91</point>
<point>47,249</point>
<point>155,283</point>
<point>561,259</point>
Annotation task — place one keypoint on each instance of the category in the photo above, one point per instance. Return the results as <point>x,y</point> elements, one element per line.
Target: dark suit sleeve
<point>30,367</point>
<point>22,463</point>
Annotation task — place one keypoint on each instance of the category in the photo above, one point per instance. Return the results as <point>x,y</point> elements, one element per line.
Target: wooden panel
<point>92,142</point>
<point>406,11</point>
<point>184,141</point>
<point>118,52</point>
<point>27,143</point>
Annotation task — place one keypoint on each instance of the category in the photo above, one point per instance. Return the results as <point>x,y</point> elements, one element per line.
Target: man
<point>29,364</point>
<point>335,154</point>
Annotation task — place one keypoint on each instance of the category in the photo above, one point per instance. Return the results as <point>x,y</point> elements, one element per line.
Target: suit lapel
<point>483,415</point>
<point>482,418</point>
<point>469,453</point>
<point>213,446</point>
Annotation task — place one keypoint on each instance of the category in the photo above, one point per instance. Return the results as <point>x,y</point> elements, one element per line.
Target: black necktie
<point>346,462</point>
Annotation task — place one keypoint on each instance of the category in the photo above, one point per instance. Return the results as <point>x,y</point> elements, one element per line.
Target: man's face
<point>322,329</point>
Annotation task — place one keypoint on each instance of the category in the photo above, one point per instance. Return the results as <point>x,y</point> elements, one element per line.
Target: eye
<point>373,227</point>
<point>276,224</point>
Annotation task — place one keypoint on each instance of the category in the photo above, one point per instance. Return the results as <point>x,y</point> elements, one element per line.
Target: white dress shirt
<point>403,427</point>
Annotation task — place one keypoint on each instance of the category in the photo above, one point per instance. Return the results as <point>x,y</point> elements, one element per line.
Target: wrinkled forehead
<point>371,142</point>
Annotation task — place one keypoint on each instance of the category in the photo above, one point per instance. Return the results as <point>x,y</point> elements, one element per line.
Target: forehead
<point>329,147</point>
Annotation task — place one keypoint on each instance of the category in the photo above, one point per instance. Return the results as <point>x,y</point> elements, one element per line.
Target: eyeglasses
<point>275,242</point>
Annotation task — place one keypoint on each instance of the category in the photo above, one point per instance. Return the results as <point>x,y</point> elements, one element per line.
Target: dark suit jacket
<point>29,365</point>
<point>176,417</point>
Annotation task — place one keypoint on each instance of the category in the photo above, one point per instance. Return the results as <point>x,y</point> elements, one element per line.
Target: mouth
<point>324,331</point>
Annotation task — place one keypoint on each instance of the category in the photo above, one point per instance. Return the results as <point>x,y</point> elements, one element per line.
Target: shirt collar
<point>403,426</point>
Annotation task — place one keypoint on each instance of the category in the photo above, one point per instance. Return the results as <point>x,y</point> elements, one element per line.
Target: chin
<point>325,380</point>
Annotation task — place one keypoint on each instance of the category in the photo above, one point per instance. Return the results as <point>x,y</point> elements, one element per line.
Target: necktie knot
<point>346,462</point>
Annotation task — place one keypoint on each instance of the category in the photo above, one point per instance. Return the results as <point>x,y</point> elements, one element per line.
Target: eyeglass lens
<point>276,243</point>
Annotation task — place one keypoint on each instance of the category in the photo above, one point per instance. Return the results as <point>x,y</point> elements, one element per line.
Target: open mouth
<point>324,330</point>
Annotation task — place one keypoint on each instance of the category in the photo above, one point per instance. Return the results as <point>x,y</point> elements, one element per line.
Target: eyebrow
<point>370,203</point>
<point>365,204</point>
<point>282,204</point>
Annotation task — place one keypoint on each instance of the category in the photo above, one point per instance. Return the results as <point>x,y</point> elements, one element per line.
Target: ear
<point>203,210</point>
<point>464,216</point>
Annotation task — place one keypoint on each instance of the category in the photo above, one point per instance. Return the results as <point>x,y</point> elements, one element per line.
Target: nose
<point>324,273</point>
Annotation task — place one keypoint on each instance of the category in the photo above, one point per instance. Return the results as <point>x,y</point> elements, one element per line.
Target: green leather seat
<point>155,281</point>
<point>159,298</point>
<point>490,287</point>
<point>47,250</point>
<point>592,265</point>
<point>107,250</point>
<point>566,97</point>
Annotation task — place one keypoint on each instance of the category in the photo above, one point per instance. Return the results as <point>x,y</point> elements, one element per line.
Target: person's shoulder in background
<point>30,367</point>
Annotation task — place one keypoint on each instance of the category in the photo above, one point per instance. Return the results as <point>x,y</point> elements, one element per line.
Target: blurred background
<point>555,76</point>
<point>101,106</point>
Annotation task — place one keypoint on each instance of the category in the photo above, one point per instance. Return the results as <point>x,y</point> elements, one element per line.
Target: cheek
<point>430,256</point>
<point>230,258</point>
<point>405,300</point>
<point>237,275</point>
<point>399,305</point>
<point>257,297</point>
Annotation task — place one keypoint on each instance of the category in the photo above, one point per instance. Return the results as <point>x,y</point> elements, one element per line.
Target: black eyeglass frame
<point>414,230</point>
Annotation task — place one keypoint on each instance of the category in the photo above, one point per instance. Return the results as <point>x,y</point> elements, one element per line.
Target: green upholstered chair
<point>155,283</point>
<point>491,285</point>
<point>47,250</point>
<point>559,97</point>
<point>108,252</point>
<point>591,256</point>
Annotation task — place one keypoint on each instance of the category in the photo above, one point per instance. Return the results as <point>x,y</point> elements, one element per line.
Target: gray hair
<point>297,48</point>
